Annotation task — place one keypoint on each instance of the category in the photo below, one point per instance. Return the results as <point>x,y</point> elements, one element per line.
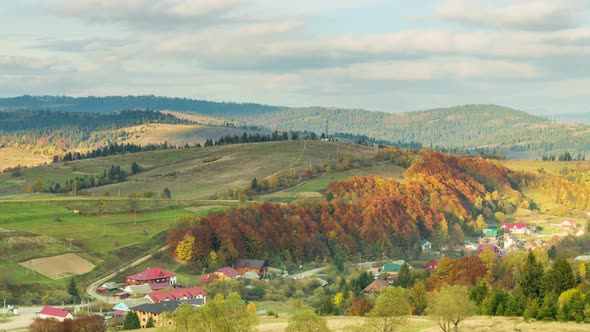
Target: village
<point>153,293</point>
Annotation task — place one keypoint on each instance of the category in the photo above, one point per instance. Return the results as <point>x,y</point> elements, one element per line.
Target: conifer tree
<point>531,278</point>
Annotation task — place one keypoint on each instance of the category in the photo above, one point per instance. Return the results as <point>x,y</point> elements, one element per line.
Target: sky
<point>386,55</point>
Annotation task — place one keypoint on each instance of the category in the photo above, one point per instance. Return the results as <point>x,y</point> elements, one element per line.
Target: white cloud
<point>146,13</point>
<point>540,15</point>
<point>19,63</point>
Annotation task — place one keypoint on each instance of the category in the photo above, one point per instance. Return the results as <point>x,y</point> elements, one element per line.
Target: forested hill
<point>117,103</point>
<point>468,126</point>
<point>491,127</point>
<point>52,132</point>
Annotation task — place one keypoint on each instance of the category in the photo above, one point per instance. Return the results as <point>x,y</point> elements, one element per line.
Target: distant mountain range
<point>488,127</point>
<point>581,117</point>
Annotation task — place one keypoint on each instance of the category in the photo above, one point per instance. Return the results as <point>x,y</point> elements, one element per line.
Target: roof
<point>392,267</point>
<point>228,272</point>
<point>138,289</point>
<point>55,312</point>
<point>158,308</point>
<point>251,275</point>
<point>102,288</point>
<point>568,223</point>
<point>251,263</point>
<point>128,303</point>
<point>376,286</point>
<point>512,225</point>
<point>423,242</point>
<point>482,247</point>
<point>111,285</point>
<point>176,294</point>
<point>431,265</point>
<point>166,306</point>
<point>151,274</point>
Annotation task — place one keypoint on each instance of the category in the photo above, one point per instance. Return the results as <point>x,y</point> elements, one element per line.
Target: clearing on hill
<point>58,267</point>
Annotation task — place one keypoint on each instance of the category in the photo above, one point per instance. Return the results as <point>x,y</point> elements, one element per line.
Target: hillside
<point>490,127</point>
<point>471,126</point>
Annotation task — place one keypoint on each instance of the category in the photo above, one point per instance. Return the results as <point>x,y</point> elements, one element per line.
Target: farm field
<point>191,172</point>
<point>92,232</point>
<point>10,157</point>
<point>58,267</point>
<point>551,167</point>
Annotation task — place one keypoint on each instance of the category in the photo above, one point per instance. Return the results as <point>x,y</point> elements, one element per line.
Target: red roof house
<point>151,276</point>
<point>431,266</point>
<point>568,224</point>
<point>517,228</point>
<point>178,294</point>
<point>227,273</point>
<point>55,313</point>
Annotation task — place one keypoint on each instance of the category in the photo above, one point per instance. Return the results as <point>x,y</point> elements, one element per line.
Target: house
<point>515,228</point>
<point>431,266</point>
<point>376,287</point>
<point>129,303</point>
<point>160,286</point>
<point>256,265</point>
<point>394,267</point>
<point>509,242</point>
<point>107,287</point>
<point>470,246</point>
<point>178,294</point>
<point>426,245</point>
<point>55,313</point>
<point>207,278</point>
<point>569,224</point>
<point>490,231</point>
<point>155,310</point>
<point>138,289</point>
<point>151,276</point>
<point>227,273</point>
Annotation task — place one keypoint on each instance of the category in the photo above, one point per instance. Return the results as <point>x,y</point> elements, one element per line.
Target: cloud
<point>543,15</point>
<point>22,63</point>
<point>150,13</point>
<point>436,69</point>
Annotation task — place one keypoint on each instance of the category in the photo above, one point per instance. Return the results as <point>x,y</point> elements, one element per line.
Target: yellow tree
<point>185,248</point>
<point>273,181</point>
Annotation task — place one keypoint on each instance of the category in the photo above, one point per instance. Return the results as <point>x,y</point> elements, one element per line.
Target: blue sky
<point>384,55</point>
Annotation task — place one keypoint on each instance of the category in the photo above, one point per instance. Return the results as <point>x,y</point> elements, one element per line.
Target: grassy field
<point>191,172</point>
<point>426,324</point>
<point>180,135</point>
<point>92,232</point>
<point>551,167</point>
<point>10,157</point>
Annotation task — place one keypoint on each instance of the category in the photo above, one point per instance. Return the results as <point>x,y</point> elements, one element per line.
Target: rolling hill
<point>490,127</point>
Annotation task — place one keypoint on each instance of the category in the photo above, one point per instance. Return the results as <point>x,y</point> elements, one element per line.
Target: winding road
<point>91,289</point>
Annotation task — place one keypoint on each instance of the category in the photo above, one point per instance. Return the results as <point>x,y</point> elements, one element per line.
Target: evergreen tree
<point>549,308</point>
<point>135,168</point>
<point>254,185</point>
<point>131,321</point>
<point>166,193</point>
<point>531,278</point>
<point>559,278</point>
<point>73,290</point>
<point>404,279</point>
